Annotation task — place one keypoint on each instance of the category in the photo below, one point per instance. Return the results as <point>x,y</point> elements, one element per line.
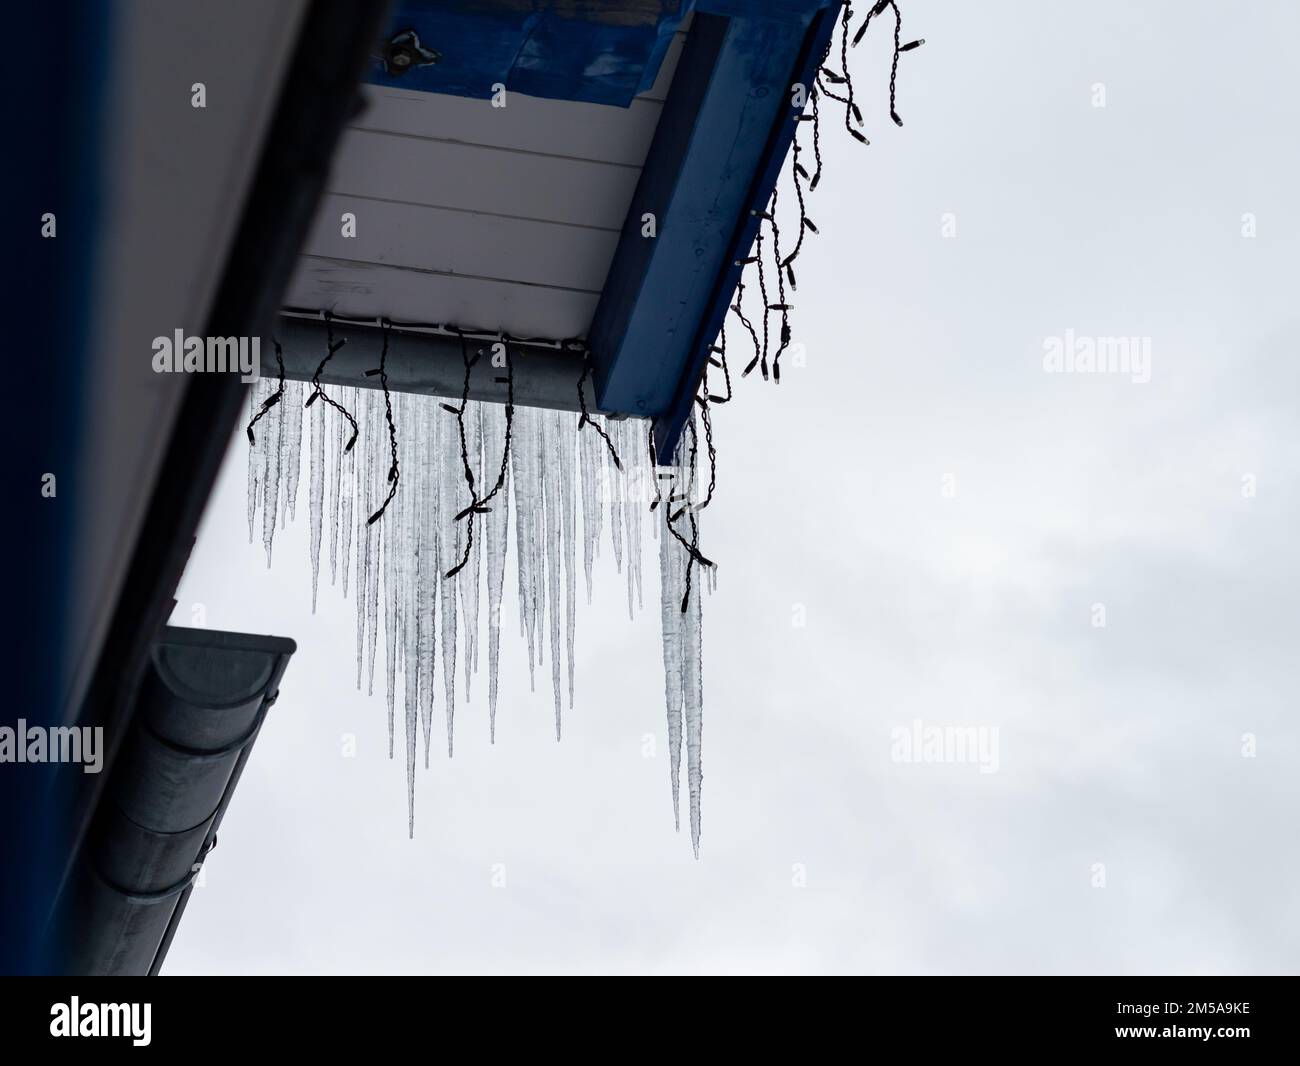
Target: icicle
<point>628,441</point>
<point>617,494</point>
<point>590,467</point>
<point>565,448</point>
<point>670,576</point>
<point>428,536</point>
<point>316,493</point>
<point>523,462</point>
<point>540,463</point>
<point>693,700</point>
<point>337,436</point>
<point>347,494</point>
<point>552,544</point>
<point>407,587</point>
<point>468,577</point>
<point>376,489</point>
<point>362,493</point>
<point>453,495</point>
<point>392,581</point>
<point>273,423</point>
<point>256,458</point>
<point>690,649</point>
<point>291,405</point>
<point>498,533</point>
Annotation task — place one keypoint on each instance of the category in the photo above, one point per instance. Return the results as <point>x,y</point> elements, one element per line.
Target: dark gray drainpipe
<point>201,706</point>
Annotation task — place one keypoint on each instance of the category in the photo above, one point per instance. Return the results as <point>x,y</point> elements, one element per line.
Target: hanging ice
<point>348,493</point>
<point>316,493</point>
<point>555,468</point>
<point>498,534</point>
<point>680,618</point>
<point>468,577</point>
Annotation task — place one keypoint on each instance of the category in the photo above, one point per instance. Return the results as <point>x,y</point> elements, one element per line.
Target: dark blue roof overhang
<point>727,126</point>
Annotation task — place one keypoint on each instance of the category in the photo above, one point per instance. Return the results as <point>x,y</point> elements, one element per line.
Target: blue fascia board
<point>722,140</point>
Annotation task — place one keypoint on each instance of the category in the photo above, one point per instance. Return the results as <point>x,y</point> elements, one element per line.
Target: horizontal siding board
<point>457,242</point>
<point>554,127</point>
<point>364,290</point>
<point>473,178</point>
<point>490,218</point>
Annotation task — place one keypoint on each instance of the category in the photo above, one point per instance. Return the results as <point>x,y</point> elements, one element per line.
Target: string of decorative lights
<point>899,49</point>
<point>694,556</point>
<point>459,412</point>
<point>584,419</point>
<point>739,308</point>
<point>271,400</point>
<point>781,304</point>
<point>800,174</point>
<point>480,506</point>
<point>851,109</point>
<point>687,508</point>
<point>319,394</point>
<point>394,472</point>
<point>804,183</point>
<point>717,358</point>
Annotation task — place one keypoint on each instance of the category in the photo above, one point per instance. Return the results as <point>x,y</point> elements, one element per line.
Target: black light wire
<point>271,400</point>
<point>739,308</point>
<point>781,304</point>
<point>476,506</point>
<point>694,556</point>
<point>585,419</point>
<point>899,49</point>
<point>718,358</point>
<point>394,472</point>
<point>319,393</point>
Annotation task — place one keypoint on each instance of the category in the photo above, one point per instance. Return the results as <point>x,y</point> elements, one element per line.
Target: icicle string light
<point>717,358</point>
<point>852,113</point>
<point>474,507</point>
<point>706,419</point>
<point>762,291</point>
<point>274,398</point>
<point>394,472</point>
<point>805,182</point>
<point>584,419</point>
<point>319,394</point>
<point>899,49</point>
<point>739,308</point>
<point>781,304</point>
<point>510,414</point>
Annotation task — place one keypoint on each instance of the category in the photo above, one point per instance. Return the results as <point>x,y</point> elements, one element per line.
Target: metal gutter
<point>431,362</point>
<point>202,705</point>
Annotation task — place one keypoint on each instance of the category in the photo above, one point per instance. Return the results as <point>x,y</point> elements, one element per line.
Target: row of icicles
<point>399,580</point>
<point>563,494</point>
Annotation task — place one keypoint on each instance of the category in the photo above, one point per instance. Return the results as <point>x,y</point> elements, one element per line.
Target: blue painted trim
<point>723,137</point>
<point>669,425</point>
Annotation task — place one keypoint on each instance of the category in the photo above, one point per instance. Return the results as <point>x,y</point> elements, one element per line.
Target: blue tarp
<point>600,53</point>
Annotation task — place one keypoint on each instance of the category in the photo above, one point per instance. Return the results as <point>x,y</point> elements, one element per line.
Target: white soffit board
<point>491,218</point>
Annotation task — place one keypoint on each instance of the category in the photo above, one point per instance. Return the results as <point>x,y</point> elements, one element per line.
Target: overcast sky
<point>947,514</point>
